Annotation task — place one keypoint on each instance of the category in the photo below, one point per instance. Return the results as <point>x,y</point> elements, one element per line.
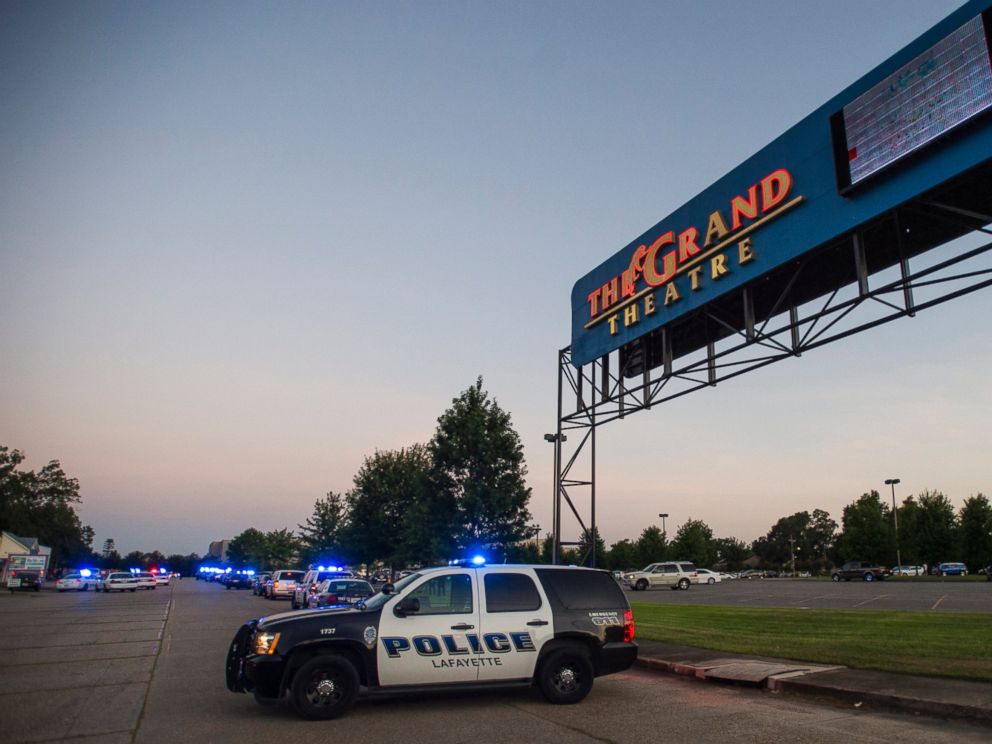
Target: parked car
<point>258,584</point>
<point>705,576</point>
<point>146,580</point>
<point>859,570</point>
<point>74,582</point>
<point>24,581</point>
<point>309,583</point>
<point>120,581</point>
<point>162,579</point>
<point>952,569</point>
<point>909,571</point>
<point>238,580</point>
<point>282,584</point>
<point>673,574</point>
<point>331,592</point>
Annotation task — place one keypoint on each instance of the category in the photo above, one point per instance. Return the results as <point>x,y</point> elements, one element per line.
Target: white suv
<point>673,574</point>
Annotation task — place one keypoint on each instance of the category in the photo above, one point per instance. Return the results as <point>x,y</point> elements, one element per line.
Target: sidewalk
<point>946,698</point>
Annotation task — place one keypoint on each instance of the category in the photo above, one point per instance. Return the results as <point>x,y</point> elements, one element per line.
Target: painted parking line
<point>873,599</point>
<point>937,603</point>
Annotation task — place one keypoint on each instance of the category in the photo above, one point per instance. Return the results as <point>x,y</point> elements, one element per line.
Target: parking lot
<point>943,596</point>
<point>148,667</point>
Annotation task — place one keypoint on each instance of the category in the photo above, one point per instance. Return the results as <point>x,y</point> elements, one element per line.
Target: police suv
<point>454,627</point>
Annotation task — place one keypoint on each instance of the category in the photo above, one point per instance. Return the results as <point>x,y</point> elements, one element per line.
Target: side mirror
<point>408,606</point>
<point>388,589</point>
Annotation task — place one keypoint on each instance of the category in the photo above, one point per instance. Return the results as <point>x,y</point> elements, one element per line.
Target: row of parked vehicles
<point>84,580</point>
<point>316,587</point>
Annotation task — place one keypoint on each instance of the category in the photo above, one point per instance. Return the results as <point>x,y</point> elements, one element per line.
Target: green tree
<point>909,532</point>
<point>788,535</point>
<point>249,550</point>
<point>395,512</point>
<point>623,555</point>
<point>694,542</point>
<point>937,531</point>
<point>282,549</point>
<point>586,542</point>
<point>547,548</point>
<point>479,462</point>
<point>868,533</point>
<point>651,547</point>
<point>42,504</point>
<point>320,536</point>
<point>976,532</point>
<point>134,559</point>
<point>731,553</point>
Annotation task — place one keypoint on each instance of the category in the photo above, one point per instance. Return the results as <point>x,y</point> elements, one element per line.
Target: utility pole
<point>792,554</point>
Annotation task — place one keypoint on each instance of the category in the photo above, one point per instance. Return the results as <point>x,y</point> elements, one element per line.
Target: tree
<point>109,546</point>
<point>976,532</point>
<point>623,555</point>
<point>249,549</point>
<point>41,504</point>
<point>868,532</point>
<point>651,546</point>
<point>320,536</point>
<point>936,532</point>
<point>479,463</point>
<point>909,532</point>
<point>395,512</point>
<point>586,541</point>
<point>694,542</point>
<point>282,549</point>
<point>731,553</point>
<point>786,535</point>
<point>135,559</point>
<point>820,539</point>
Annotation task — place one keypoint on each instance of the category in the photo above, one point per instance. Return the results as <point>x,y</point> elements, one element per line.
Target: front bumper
<point>249,672</point>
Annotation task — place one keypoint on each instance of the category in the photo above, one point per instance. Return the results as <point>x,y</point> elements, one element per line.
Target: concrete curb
<point>970,701</point>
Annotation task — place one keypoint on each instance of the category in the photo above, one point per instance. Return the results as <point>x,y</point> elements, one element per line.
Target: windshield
<point>378,600</point>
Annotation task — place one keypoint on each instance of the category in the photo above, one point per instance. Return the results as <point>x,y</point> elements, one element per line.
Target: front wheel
<point>641,585</point>
<point>835,577</point>
<point>324,687</point>
<point>684,584</point>
<point>869,577</point>
<point>565,676</point>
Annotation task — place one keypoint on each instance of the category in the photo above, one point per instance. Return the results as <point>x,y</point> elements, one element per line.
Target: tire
<point>835,577</point>
<point>86,587</point>
<point>227,587</point>
<point>292,602</point>
<point>711,580</point>
<point>684,584</point>
<point>338,679</point>
<point>869,577</point>
<point>134,590</point>
<point>565,676</point>
<point>641,585</point>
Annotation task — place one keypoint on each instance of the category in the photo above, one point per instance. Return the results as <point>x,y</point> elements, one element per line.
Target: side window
<point>445,595</point>
<point>507,592</point>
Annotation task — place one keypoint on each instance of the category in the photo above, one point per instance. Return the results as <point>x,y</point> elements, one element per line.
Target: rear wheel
<point>869,577</point>
<point>835,577</point>
<point>711,580</point>
<point>683,584</point>
<point>565,676</point>
<point>324,687</point>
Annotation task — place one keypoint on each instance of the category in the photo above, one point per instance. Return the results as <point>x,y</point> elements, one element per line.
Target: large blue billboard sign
<point>915,122</point>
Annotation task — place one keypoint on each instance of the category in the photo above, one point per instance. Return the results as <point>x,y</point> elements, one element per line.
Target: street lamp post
<point>895,516</point>
<point>556,440</point>
<point>664,531</point>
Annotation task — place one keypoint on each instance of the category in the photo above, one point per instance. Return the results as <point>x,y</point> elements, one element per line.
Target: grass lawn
<point>942,644</point>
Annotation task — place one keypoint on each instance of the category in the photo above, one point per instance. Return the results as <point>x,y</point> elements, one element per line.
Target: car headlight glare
<point>265,643</point>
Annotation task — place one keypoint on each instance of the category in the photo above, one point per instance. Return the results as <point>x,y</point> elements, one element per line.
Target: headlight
<point>265,643</point>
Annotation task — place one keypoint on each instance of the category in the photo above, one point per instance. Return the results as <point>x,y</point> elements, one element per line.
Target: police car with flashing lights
<point>460,626</point>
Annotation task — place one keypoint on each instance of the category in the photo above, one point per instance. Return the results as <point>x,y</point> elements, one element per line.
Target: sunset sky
<point>244,245</point>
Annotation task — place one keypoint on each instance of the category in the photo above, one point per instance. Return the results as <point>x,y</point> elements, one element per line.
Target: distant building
<point>12,546</point>
<point>218,550</point>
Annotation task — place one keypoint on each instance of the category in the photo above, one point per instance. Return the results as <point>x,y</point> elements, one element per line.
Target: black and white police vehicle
<point>477,625</point>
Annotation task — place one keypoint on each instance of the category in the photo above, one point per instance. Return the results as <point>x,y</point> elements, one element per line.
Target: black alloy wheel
<point>565,676</point>
<point>324,687</point>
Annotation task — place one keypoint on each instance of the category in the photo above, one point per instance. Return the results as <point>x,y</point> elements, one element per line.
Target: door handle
<point>538,622</point>
<point>462,626</point>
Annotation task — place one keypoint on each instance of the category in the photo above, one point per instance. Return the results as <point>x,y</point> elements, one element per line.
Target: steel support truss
<point>606,390</point>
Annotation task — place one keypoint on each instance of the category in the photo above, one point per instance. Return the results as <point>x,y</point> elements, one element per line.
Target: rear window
<point>582,590</point>
<point>290,575</point>
<point>509,592</point>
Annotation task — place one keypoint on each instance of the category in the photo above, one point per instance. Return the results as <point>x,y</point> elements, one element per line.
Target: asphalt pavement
<point>148,667</point>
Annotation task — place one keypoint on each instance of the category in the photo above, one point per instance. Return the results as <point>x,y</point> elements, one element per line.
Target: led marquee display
<point>935,92</point>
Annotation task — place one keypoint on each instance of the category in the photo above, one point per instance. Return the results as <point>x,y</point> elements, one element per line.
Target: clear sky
<point>243,245</point>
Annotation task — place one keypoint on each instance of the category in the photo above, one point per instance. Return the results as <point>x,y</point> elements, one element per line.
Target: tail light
<point>628,626</point>
<point>275,584</point>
